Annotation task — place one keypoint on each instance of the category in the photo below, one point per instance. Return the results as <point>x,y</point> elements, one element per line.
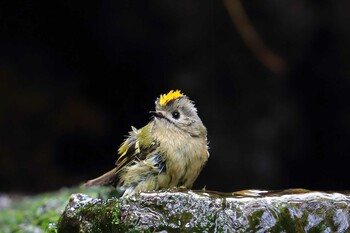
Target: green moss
<point>39,213</point>
<point>255,220</point>
<point>287,223</point>
<point>92,216</point>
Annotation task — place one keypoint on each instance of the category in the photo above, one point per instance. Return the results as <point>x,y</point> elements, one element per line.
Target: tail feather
<point>105,179</point>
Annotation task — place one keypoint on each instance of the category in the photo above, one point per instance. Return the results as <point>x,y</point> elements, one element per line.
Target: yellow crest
<point>172,95</point>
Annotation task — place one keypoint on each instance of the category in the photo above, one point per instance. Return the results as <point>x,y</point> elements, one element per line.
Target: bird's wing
<point>136,147</point>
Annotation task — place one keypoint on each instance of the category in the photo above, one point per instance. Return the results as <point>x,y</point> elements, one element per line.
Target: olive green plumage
<point>169,151</point>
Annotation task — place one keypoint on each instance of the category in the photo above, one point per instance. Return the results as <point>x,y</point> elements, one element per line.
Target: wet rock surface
<point>293,210</point>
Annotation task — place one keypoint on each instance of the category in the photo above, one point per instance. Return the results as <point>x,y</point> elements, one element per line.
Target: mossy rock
<point>98,210</point>
<point>200,211</point>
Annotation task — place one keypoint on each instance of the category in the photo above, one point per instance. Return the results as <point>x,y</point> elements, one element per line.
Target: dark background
<point>75,75</point>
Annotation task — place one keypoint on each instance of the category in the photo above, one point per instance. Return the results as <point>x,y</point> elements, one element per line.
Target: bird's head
<point>175,109</point>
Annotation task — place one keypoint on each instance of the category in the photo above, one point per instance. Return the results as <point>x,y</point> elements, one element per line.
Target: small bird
<point>170,151</point>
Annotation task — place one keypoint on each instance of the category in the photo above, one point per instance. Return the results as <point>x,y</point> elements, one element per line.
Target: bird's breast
<point>184,155</point>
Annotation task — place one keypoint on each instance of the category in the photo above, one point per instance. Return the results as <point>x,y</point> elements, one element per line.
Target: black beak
<point>157,114</point>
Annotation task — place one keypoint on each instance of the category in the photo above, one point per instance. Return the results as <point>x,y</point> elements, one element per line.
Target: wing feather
<point>136,147</point>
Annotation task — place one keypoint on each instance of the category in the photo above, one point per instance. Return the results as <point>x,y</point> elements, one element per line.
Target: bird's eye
<point>175,114</point>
